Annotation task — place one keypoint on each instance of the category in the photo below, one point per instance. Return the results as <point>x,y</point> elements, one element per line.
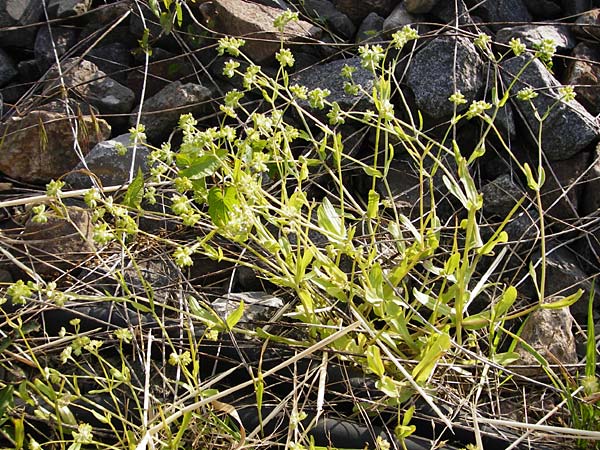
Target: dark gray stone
<point>19,14</point>
<point>500,196</point>
<point>532,34</point>
<point>84,77</point>
<point>370,28</point>
<point>398,18</point>
<point>328,76</point>
<point>160,113</point>
<point>569,128</point>
<point>544,9</point>
<point>337,21</point>
<point>113,59</point>
<point>8,70</point>
<point>29,70</point>
<point>64,38</point>
<point>111,168</point>
<point>430,75</point>
<point>499,13</point>
<point>358,10</point>
<point>573,7</point>
<point>420,6</point>
<point>67,8</point>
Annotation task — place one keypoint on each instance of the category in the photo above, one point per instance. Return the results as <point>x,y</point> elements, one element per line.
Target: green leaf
<point>488,248</point>
<point>6,399</point>
<point>220,204</point>
<point>135,191</point>
<point>506,301</point>
<point>374,360</point>
<point>386,385</point>
<point>373,206</point>
<point>563,302</point>
<point>204,166</point>
<point>477,321</point>
<point>506,358</point>
<point>330,220</point>
<point>234,317</point>
<point>438,346</point>
<point>372,171</point>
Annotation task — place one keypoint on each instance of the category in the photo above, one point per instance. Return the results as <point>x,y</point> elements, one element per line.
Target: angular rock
<point>500,12</point>
<point>564,187</point>
<point>108,164</point>
<point>60,244</point>
<point>164,67</point>
<point>544,9</point>
<point>420,6</point>
<point>398,18</point>
<point>500,196</point>
<point>358,10</point>
<point>548,332</point>
<point>569,128</point>
<point>590,200</point>
<point>64,38</point>
<point>67,8</point>
<point>19,14</point>
<point>328,76</point>
<point>40,146</point>
<point>254,23</point>
<point>583,72</point>
<point>573,7</point>
<point>587,25</point>
<point>564,276</point>
<point>160,113</point>
<point>29,70</point>
<point>337,21</point>
<point>113,59</point>
<point>532,34</point>
<point>430,75</point>
<point>259,307</point>
<point>370,28</point>
<point>91,84</point>
<point>7,68</point>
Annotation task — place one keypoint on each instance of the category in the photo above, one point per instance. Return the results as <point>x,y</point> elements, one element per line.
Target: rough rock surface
<point>569,128</point>
<point>583,72</point>
<point>19,14</point>
<point>357,11</point>
<point>8,70</point>
<point>427,75</point>
<point>110,166</point>
<point>324,10</point>
<point>500,12</point>
<point>548,332</point>
<point>92,85</point>
<point>61,243</point>
<point>561,35</point>
<point>254,23</point>
<point>50,44</point>
<point>161,112</point>
<point>40,146</point>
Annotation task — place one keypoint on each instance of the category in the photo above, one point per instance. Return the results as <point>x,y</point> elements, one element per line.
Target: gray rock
<point>328,76</point>
<point>573,7</point>
<point>548,332</point>
<point>500,196</point>
<point>590,200</point>
<point>358,10</point>
<point>29,70</point>
<point>111,168</point>
<point>66,8</point>
<point>91,84</point>
<point>160,113</point>
<point>569,128</point>
<point>254,21</point>
<point>420,6</point>
<point>531,34</point>
<point>19,14</point>
<point>8,70</point>
<point>40,146</point>
<point>587,26</point>
<point>583,72</point>
<point>563,188</point>
<point>499,13</point>
<point>544,8</point>
<point>370,28</point>
<point>64,38</point>
<point>337,21</point>
<point>448,12</point>
<point>258,307</point>
<point>398,18</point>
<point>564,276</point>
<point>429,75</point>
<point>113,59</point>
